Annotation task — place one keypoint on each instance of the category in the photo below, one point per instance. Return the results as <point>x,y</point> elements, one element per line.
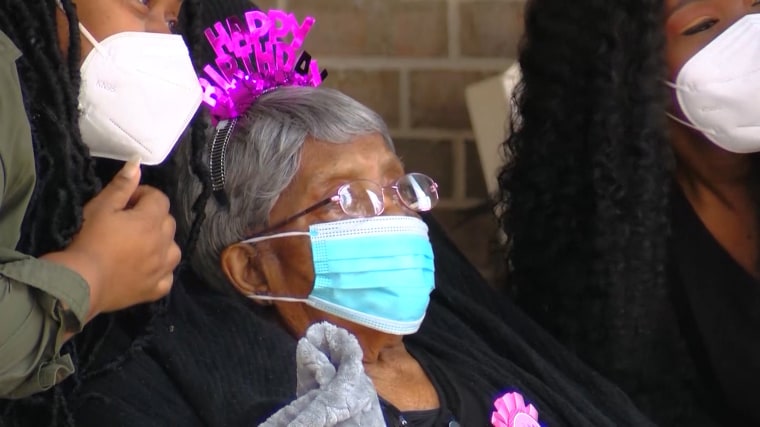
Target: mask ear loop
<point>689,125</point>
<point>276,236</point>
<point>269,298</point>
<point>681,121</point>
<point>82,29</point>
<point>90,38</point>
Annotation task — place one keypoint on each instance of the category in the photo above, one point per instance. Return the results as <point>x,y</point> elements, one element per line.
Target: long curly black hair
<point>67,177</point>
<point>585,192</point>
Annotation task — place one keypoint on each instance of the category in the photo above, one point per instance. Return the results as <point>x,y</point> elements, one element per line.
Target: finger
<point>118,192</point>
<point>163,287</point>
<point>149,199</point>
<point>169,227</point>
<point>174,257</point>
<point>137,195</point>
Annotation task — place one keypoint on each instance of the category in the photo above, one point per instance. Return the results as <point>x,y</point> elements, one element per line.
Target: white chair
<point>489,103</point>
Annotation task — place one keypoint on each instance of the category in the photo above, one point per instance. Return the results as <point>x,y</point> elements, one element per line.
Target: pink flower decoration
<point>512,412</point>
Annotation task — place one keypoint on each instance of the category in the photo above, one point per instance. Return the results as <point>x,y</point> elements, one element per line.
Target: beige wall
<point>410,60</point>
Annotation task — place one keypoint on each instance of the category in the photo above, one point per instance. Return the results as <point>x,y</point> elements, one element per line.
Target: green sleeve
<point>32,328</point>
<point>32,324</point>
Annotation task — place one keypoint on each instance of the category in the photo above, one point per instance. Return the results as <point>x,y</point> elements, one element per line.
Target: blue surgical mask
<point>377,272</point>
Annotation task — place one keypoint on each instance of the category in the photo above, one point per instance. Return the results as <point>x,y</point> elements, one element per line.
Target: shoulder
<point>209,361</point>
<point>12,113</point>
<point>137,392</point>
<point>17,171</point>
<point>121,381</point>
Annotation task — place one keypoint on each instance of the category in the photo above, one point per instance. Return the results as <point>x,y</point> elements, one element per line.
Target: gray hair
<point>262,159</point>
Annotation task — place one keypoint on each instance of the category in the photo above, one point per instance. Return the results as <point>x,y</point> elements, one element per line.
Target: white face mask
<point>139,92</point>
<point>718,89</point>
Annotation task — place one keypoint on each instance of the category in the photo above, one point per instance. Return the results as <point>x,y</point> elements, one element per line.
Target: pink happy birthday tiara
<point>250,61</point>
<point>273,39</point>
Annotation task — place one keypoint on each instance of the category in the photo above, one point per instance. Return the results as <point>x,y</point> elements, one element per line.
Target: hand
<point>125,249</point>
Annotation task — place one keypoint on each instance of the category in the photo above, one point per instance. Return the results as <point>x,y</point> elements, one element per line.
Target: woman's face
<point>283,266</point>
<point>103,18</point>
<point>691,24</point>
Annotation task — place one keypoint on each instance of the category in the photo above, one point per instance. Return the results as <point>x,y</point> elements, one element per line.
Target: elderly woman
<point>321,223</point>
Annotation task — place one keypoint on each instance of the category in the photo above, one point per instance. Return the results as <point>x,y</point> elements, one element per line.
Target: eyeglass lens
<point>417,191</point>
<point>365,198</point>
<point>361,199</point>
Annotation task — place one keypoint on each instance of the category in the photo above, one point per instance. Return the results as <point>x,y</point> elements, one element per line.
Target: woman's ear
<point>242,265</point>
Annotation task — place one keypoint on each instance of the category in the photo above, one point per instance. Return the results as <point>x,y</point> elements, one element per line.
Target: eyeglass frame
<point>335,198</point>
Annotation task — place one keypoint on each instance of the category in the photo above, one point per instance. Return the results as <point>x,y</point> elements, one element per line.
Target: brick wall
<point>410,60</point>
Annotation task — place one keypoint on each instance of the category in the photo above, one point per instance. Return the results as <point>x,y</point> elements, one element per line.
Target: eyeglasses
<point>364,198</point>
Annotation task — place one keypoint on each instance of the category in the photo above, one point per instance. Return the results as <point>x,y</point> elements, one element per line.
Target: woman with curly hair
<point>631,197</point>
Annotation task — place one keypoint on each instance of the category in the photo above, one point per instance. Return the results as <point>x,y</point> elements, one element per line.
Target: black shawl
<point>217,360</point>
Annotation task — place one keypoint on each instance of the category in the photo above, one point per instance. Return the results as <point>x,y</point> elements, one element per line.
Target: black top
<point>425,418</point>
<point>458,402</point>
<point>718,306</point>
<point>219,360</point>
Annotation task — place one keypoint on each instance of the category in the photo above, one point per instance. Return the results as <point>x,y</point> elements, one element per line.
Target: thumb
<point>118,192</point>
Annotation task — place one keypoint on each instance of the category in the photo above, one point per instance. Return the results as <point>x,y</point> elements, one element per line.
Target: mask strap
<point>681,121</point>
<point>269,298</point>
<point>276,236</point>
<point>677,87</point>
<point>82,29</point>
<point>90,38</point>
<point>689,125</point>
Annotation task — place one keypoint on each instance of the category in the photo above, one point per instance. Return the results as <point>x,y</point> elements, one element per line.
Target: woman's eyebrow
<point>392,162</point>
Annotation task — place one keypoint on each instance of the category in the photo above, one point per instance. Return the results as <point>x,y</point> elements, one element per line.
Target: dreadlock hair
<point>50,88</point>
<point>67,177</point>
<point>585,192</point>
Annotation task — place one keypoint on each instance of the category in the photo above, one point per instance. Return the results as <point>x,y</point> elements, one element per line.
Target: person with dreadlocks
<point>82,249</point>
<point>297,212</point>
<point>631,197</point>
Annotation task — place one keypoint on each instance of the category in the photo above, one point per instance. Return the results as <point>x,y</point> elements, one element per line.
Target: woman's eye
<point>702,26</point>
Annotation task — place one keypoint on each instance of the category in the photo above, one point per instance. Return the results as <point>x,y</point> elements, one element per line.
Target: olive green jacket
<point>32,323</point>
